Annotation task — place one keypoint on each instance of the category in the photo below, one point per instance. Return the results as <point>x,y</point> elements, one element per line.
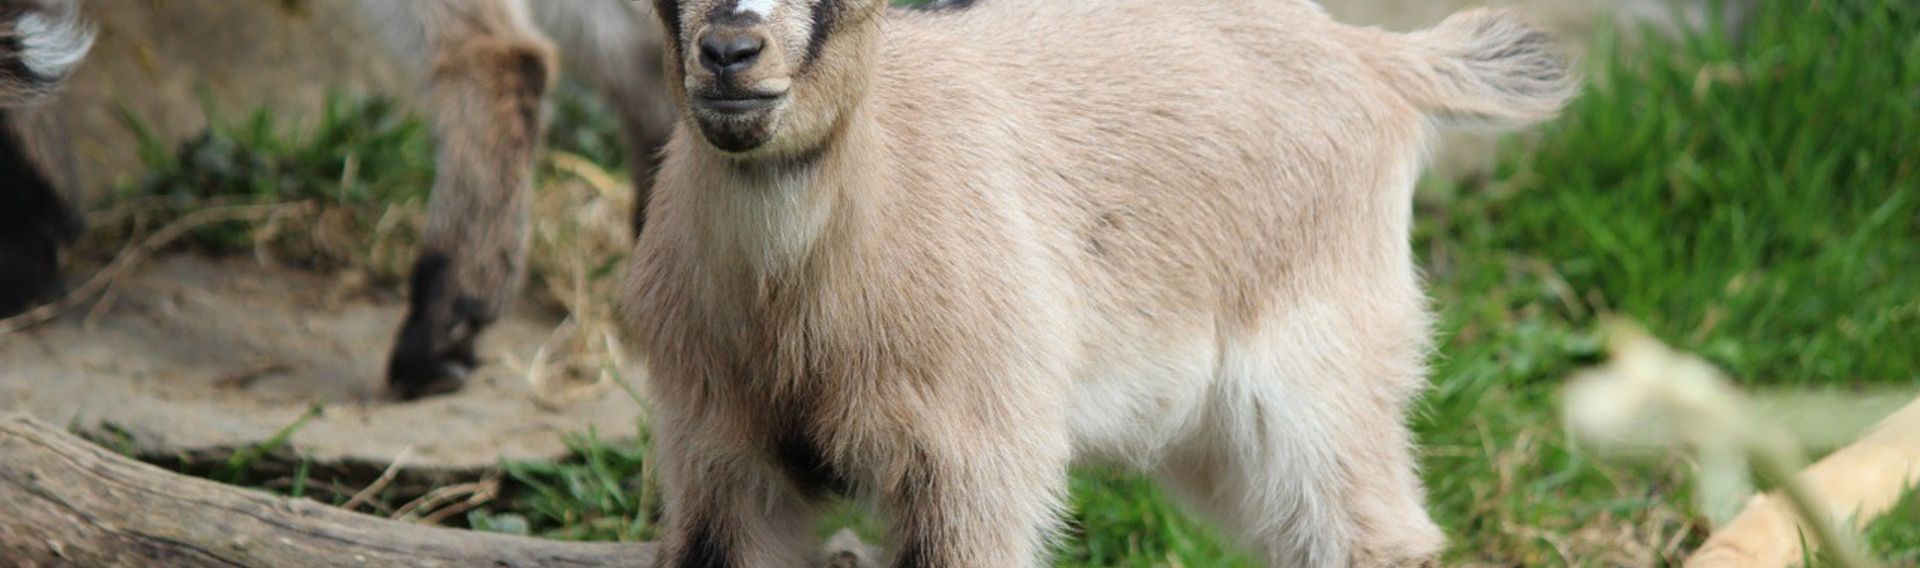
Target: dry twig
<point>133,255</point>
<point>379,484</point>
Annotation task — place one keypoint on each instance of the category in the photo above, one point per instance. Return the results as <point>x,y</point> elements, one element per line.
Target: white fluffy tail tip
<point>50,43</point>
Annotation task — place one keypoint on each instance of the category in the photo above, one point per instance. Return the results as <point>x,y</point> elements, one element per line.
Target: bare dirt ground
<point>201,356</point>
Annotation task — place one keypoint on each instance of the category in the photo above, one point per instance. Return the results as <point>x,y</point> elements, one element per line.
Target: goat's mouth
<point>736,103</point>
<point>736,120</point>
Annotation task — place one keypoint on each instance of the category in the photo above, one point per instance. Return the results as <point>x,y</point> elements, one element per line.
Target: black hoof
<point>434,353</point>
<point>430,359</point>
<point>430,379</point>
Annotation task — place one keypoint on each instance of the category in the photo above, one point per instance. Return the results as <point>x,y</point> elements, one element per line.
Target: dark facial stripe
<point>826,16</point>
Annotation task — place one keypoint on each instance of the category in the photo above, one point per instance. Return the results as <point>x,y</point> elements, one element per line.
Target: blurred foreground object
<point>1861,482</point>
<point>1651,396</point>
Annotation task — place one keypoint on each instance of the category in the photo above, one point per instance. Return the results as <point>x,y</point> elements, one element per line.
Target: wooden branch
<point>1860,482</point>
<point>64,501</point>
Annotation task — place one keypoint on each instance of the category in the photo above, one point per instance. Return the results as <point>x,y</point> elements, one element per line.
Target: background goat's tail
<point>1484,65</point>
<point>41,41</point>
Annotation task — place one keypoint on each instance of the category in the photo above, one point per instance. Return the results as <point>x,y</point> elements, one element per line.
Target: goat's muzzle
<point>737,84</point>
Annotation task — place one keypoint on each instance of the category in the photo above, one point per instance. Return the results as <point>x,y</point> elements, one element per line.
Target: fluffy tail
<point>41,41</point>
<point>1486,66</point>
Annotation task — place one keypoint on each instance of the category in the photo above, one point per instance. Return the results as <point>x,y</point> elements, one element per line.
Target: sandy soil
<point>199,356</point>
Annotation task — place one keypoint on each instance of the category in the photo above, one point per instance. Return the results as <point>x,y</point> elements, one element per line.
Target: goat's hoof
<point>415,373</point>
<point>31,265</point>
<point>434,378</point>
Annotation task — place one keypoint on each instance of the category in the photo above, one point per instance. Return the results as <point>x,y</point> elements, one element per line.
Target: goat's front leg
<point>489,74</point>
<point>972,498</point>
<point>727,508</point>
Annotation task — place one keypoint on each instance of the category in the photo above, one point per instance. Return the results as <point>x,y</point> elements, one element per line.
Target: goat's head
<point>768,78</point>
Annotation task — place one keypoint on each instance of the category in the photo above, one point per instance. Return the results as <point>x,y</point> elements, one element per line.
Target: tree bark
<point>67,502</point>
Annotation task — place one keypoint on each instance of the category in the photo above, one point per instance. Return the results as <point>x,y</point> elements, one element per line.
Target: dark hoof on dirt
<point>418,370</point>
<point>445,378</point>
<point>31,267</point>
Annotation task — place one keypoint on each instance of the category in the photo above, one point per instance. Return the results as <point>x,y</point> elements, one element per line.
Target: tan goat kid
<point>934,258</point>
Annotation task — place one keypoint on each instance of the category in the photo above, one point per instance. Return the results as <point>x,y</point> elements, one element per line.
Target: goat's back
<point>1189,160</point>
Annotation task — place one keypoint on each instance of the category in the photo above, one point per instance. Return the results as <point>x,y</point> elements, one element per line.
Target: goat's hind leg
<point>1310,463</point>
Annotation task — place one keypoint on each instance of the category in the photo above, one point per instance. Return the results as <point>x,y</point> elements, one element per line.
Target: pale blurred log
<point>1859,482</point>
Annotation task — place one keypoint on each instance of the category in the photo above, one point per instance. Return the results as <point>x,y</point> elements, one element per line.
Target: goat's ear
<point>668,11</point>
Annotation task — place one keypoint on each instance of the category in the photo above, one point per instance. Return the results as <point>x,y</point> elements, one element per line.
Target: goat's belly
<point>1129,406</point>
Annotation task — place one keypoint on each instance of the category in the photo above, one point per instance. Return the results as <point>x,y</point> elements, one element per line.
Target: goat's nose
<point>724,51</point>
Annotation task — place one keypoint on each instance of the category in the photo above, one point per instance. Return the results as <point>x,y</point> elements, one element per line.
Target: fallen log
<point>67,502</point>
<point>1859,483</point>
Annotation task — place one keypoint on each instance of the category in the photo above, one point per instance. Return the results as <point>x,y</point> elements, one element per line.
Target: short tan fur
<point>934,258</point>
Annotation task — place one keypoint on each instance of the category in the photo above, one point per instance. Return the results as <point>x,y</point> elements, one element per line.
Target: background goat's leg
<point>616,48</point>
<point>36,217</point>
<point>489,73</point>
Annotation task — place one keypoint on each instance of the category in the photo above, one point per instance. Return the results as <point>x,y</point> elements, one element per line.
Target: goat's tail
<point>41,41</point>
<point>1484,65</point>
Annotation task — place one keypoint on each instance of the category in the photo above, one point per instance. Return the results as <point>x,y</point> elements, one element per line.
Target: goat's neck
<point>778,216</point>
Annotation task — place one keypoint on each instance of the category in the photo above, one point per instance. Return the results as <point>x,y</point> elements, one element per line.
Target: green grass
<point>360,171</point>
<point>600,494</point>
<point>1755,201</point>
<point>1897,535</point>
